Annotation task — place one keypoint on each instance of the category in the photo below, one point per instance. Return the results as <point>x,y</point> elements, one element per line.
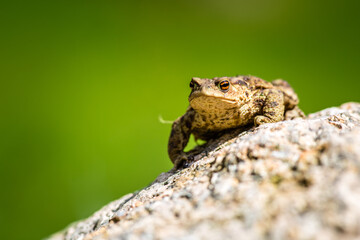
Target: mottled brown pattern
<point>273,104</point>
<point>259,101</point>
<point>241,82</point>
<point>212,110</point>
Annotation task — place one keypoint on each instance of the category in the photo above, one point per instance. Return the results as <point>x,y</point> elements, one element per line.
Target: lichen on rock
<point>296,179</point>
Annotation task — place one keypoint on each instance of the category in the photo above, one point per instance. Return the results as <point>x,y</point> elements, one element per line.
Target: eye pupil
<point>191,84</point>
<point>224,85</point>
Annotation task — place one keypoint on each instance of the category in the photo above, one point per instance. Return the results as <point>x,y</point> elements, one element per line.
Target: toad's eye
<point>224,85</point>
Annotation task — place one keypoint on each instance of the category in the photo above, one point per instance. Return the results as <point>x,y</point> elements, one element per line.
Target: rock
<point>296,179</point>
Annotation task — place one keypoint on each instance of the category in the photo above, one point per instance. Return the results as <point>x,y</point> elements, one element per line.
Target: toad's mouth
<point>199,96</point>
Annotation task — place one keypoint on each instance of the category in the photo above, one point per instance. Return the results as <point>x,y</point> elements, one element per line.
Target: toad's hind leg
<point>290,97</point>
<point>273,107</point>
<point>294,113</point>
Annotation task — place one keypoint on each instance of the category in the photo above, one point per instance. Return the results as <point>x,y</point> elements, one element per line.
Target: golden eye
<point>224,85</point>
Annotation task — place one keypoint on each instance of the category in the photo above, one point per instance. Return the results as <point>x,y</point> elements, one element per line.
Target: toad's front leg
<point>179,137</point>
<point>273,107</point>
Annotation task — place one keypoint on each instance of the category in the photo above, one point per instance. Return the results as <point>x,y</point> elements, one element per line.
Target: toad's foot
<point>261,120</point>
<point>183,160</point>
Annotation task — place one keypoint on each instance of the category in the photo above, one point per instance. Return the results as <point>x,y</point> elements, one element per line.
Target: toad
<point>225,103</point>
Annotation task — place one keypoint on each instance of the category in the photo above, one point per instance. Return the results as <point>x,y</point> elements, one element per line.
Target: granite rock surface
<point>296,179</point>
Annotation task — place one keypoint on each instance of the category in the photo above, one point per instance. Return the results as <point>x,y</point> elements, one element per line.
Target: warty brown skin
<point>224,103</point>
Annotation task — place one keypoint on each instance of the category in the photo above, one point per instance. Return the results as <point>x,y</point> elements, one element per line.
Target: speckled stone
<point>296,179</point>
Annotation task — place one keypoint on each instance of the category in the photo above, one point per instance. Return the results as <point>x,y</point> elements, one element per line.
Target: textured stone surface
<point>297,179</point>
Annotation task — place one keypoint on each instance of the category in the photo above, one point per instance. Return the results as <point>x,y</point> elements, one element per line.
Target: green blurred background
<point>84,82</point>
